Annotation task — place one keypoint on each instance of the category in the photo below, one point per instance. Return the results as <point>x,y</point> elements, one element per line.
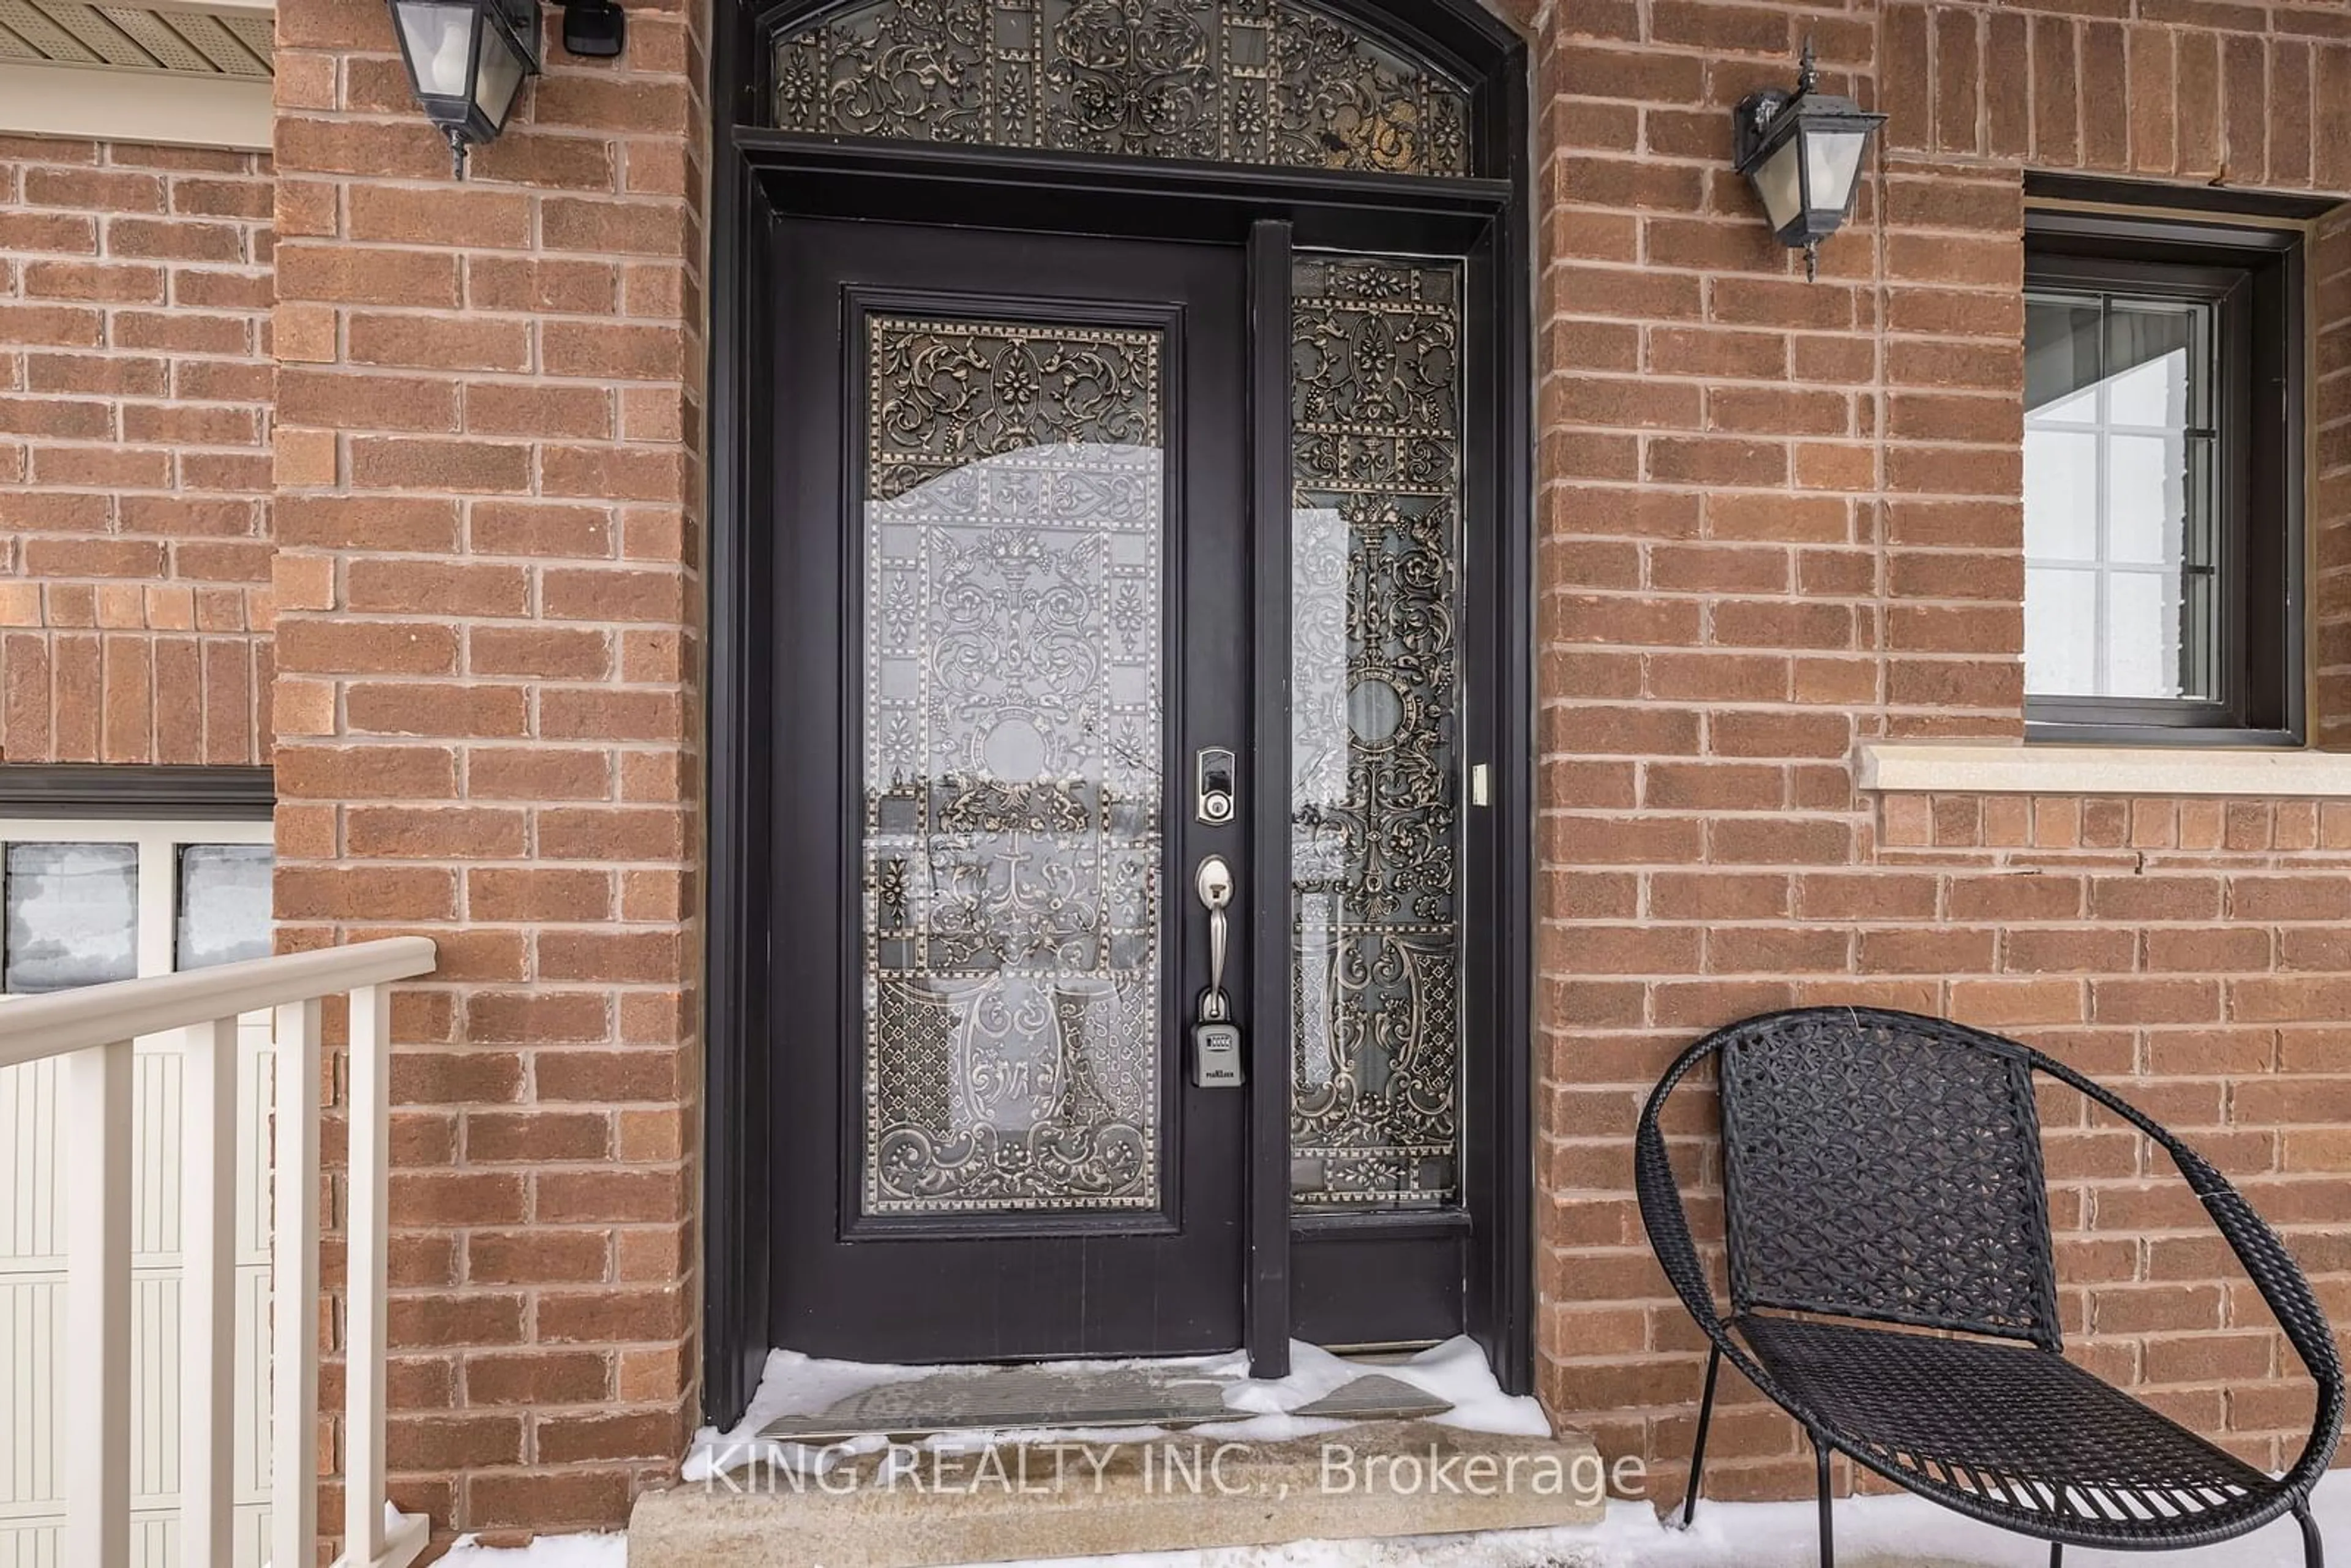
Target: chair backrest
<point>1884,1166</point>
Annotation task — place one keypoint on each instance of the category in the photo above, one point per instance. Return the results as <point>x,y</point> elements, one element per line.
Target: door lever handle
<point>1215,1039</point>
<point>1214,883</point>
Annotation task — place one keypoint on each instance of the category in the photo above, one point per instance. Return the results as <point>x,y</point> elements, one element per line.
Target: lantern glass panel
<point>440,41</point>
<point>1835,159</point>
<point>1778,183</point>
<point>498,77</point>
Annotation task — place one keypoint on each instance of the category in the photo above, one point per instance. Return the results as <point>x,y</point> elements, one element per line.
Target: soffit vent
<point>176,40</point>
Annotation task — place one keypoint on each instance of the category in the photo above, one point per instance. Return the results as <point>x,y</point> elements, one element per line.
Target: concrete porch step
<point>909,1506</point>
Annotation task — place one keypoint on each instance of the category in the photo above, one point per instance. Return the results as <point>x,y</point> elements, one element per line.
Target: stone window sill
<point>1943,767</point>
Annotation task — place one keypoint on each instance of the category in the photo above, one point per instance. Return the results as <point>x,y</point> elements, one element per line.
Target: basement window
<point>2162,490</point>
<point>83,903</point>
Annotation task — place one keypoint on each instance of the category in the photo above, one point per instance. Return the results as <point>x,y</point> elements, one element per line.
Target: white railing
<point>92,1030</point>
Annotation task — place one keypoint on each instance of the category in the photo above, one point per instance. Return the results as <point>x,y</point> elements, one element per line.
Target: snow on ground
<point>547,1552</point>
<point>1869,1530</point>
<point>797,1384</point>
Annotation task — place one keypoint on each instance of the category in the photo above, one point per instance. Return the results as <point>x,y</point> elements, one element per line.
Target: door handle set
<point>1215,1039</point>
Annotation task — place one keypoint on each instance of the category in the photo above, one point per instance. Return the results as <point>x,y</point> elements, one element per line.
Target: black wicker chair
<point>1886,1168</point>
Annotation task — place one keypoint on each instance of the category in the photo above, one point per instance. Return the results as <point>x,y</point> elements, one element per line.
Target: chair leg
<point>1828,1541</point>
<point>1698,1449</point>
<point>2314,1551</point>
<point>2056,1554</point>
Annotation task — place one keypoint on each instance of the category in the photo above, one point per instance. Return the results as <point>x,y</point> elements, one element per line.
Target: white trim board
<point>136,106</point>
<point>1995,769</point>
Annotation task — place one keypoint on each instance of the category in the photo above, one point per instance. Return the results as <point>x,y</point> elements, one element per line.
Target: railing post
<point>208,1074</point>
<point>89,1033</point>
<point>365,1269</point>
<point>294,1291</point>
<point>96,1138</point>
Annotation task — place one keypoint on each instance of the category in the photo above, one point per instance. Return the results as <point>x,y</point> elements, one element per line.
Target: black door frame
<point>758,174</point>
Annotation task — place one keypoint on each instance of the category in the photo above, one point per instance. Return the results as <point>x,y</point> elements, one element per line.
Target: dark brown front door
<point>1010,602</point>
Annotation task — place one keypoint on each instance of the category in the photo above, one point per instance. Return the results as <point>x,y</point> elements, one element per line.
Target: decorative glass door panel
<point>1013,741</point>
<point>1376,728</point>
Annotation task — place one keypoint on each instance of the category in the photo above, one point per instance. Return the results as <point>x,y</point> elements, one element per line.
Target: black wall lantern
<point>468,59</point>
<point>1803,151</point>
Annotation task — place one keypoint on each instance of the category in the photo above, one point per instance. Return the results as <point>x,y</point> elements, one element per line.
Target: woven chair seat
<point>2006,1427</point>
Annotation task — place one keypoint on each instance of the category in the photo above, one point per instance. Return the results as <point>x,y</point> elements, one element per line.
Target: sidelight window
<point>1376,730</point>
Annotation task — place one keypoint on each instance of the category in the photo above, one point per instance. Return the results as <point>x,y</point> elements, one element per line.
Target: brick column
<point>1712,644</point>
<point>488,503</point>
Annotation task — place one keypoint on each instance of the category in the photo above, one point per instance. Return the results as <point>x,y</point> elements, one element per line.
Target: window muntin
<point>2120,498</point>
<point>2162,480</point>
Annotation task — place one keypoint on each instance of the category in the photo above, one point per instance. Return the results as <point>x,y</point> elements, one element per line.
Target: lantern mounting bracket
<point>1752,117</point>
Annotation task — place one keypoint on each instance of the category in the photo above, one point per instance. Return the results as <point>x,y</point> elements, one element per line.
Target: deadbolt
<point>1212,788</point>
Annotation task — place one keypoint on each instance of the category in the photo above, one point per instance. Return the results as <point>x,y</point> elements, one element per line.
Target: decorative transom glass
<point>1375,835</point>
<point>1014,536</point>
<point>1237,81</point>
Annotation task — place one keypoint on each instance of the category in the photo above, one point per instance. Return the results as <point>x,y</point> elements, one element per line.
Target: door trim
<point>759,174</point>
<point>1265,1311</point>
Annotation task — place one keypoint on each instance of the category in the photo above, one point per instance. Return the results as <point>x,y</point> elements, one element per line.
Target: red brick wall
<point>488,422</point>
<point>134,471</point>
<point>1780,519</point>
<point>1777,520</point>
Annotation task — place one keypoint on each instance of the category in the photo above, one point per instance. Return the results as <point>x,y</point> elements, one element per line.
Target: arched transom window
<point>1238,81</point>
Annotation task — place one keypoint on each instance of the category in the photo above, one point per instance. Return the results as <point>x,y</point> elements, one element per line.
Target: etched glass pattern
<point>1238,81</point>
<point>1375,849</point>
<point>1012,834</point>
